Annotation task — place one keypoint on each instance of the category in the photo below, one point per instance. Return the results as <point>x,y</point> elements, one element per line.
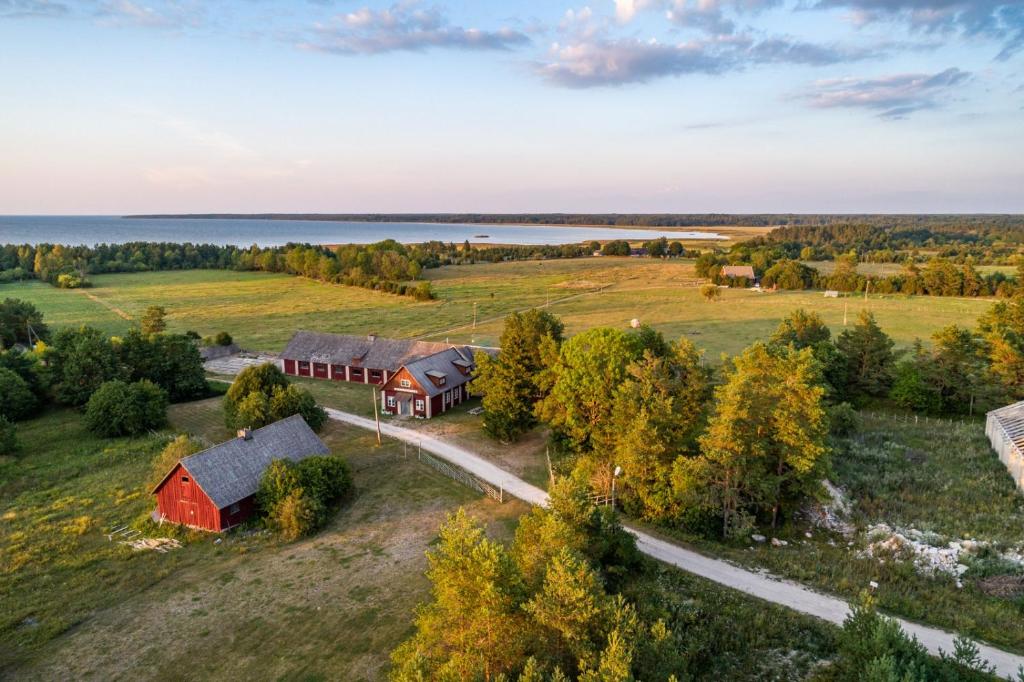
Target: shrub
<point>709,291</point>
<point>262,395</point>
<point>180,447</point>
<point>326,479</point>
<point>423,292</point>
<point>843,419</point>
<point>8,437</point>
<point>121,409</point>
<point>16,399</point>
<point>296,515</point>
<point>261,379</point>
<point>223,339</point>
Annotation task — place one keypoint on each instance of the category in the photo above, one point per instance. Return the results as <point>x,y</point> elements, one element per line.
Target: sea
<point>93,230</point>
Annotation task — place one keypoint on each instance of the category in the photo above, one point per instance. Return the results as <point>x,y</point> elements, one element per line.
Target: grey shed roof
<point>441,364</point>
<point>367,351</point>
<point>231,471</point>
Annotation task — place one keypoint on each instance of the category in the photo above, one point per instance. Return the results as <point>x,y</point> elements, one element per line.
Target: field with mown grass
<point>75,605</point>
<point>262,310</point>
<point>885,269</point>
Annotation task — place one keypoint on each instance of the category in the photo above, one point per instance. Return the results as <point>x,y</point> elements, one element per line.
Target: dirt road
<point>761,585</point>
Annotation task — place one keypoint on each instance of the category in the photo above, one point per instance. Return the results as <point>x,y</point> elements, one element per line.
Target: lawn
<point>76,605</point>
<point>263,310</point>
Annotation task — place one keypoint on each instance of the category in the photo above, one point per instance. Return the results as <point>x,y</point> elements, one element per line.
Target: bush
<point>296,515</point>
<point>177,449</point>
<point>223,339</point>
<point>709,291</point>
<point>121,409</point>
<point>295,498</point>
<point>261,379</point>
<point>8,437</point>
<point>262,395</point>
<point>843,419</point>
<point>16,399</point>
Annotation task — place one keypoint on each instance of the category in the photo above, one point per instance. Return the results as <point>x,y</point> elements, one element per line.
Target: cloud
<point>893,97</point>
<point>1001,20</point>
<point>605,62</point>
<point>169,15</point>
<point>19,9</point>
<point>602,61</point>
<point>708,16</point>
<point>404,27</point>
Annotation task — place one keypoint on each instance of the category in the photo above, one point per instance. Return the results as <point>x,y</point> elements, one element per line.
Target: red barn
<point>431,385</point>
<point>215,489</point>
<point>360,359</point>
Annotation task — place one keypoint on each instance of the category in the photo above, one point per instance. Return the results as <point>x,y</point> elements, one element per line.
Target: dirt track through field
<point>761,585</point>
<point>114,309</point>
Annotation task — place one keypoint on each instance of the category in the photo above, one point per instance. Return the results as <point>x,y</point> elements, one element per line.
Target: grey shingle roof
<point>231,471</point>
<point>441,364</point>
<point>373,352</point>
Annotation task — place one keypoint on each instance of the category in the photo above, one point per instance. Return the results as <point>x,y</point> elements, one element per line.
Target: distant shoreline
<point>445,219</point>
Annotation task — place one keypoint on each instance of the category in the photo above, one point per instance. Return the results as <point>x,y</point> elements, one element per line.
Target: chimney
<point>245,434</point>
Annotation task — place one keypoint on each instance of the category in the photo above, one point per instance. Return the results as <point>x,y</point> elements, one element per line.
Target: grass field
<point>262,310</point>
<point>75,605</point>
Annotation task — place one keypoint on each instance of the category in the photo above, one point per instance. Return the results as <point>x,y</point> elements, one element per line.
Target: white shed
<point>1005,430</point>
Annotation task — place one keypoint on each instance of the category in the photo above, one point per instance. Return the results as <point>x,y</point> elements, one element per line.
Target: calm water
<point>91,230</point>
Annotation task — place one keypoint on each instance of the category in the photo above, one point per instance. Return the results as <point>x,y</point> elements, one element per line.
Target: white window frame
<point>420,406</point>
<point>405,383</point>
<point>391,401</point>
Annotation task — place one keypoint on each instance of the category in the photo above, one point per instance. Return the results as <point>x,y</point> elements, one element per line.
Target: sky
<point>691,106</point>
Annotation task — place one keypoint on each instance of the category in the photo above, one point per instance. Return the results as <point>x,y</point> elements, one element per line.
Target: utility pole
<point>551,471</point>
<point>846,310</point>
<point>376,415</point>
<point>474,316</point>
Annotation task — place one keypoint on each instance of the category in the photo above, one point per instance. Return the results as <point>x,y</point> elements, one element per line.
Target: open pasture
<point>262,310</point>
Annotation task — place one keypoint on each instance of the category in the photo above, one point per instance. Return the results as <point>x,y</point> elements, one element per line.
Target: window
<point>375,374</point>
<point>234,509</point>
<point>419,405</point>
<point>391,401</point>
<point>441,381</point>
<point>184,479</point>
<point>405,383</point>
<point>448,397</point>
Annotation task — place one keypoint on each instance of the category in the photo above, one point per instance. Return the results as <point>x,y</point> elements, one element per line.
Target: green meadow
<point>262,310</point>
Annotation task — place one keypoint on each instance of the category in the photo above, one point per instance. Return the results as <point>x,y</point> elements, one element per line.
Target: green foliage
<point>590,367</point>
<point>117,408</point>
<point>223,339</point>
<point>1002,328</point>
<point>296,515</point>
<point>297,498</point>
<point>512,383</point>
<point>658,413</point>
<point>15,317</point>
<point>170,361</point>
<point>8,437</point>
<point>915,385</point>
<point>764,448</point>
<point>153,320</point>
<point>261,395</point>
<point>31,371</point>
<point>176,450</point>
<point>80,360</point>
<point>869,359</point>
<point>801,329</point>
<point>619,247</point>
<point>843,419</point>
<point>16,398</point>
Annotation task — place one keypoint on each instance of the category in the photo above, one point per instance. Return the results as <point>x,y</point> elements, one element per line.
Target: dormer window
<point>441,381</point>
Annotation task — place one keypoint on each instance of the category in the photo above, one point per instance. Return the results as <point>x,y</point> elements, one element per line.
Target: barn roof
<point>738,271</point>
<point>1011,419</point>
<point>443,364</point>
<point>231,471</point>
<point>366,351</point>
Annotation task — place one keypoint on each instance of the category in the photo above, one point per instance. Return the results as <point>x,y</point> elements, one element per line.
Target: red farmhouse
<point>360,359</point>
<point>215,489</point>
<point>431,385</point>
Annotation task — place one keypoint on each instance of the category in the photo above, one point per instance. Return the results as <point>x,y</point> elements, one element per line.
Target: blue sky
<point>117,106</point>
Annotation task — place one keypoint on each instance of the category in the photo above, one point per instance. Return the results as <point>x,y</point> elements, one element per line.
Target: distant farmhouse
<point>418,378</point>
<point>1005,430</point>
<point>740,272</point>
<point>215,489</point>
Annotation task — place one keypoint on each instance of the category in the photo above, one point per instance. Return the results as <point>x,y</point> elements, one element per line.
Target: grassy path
<point>758,584</point>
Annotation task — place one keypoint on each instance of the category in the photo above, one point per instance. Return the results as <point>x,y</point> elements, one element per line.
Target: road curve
<point>761,585</point>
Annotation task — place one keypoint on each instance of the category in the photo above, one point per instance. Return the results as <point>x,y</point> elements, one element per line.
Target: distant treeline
<point>384,266</point>
<point>642,219</point>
